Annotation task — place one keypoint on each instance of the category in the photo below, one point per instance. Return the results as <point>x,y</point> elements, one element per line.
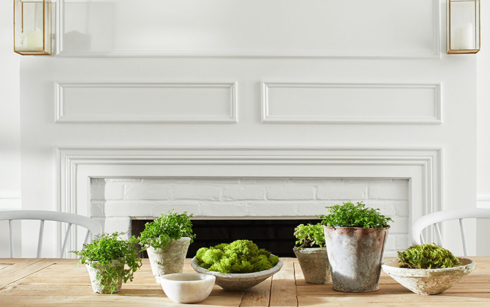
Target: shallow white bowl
<point>237,281</point>
<point>428,281</point>
<point>187,288</point>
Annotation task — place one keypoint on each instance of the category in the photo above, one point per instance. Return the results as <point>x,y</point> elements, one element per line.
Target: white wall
<point>10,113</point>
<point>368,54</point>
<point>483,119</point>
<point>9,122</point>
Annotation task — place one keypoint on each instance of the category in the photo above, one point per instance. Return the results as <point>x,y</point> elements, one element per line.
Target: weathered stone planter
<point>237,281</point>
<point>314,264</point>
<point>169,260</point>
<point>428,281</point>
<point>96,271</point>
<point>355,256</point>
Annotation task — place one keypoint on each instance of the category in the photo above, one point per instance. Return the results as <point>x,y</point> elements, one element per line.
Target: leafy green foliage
<point>350,215</point>
<point>427,256</point>
<point>309,235</point>
<point>241,256</point>
<point>107,248</point>
<point>167,227</point>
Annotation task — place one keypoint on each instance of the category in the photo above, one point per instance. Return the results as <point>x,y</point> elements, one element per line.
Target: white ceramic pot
<point>187,288</point>
<point>170,259</point>
<point>428,281</point>
<point>237,281</point>
<point>96,273</point>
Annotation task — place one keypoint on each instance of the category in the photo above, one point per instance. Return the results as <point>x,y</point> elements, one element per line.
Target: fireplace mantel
<point>76,167</point>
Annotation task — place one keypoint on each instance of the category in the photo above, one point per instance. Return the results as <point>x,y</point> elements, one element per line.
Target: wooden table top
<point>53,282</point>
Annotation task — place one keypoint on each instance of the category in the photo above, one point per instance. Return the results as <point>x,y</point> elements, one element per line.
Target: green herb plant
<point>113,256</point>
<point>309,235</point>
<point>241,256</point>
<point>427,256</point>
<point>350,215</point>
<point>167,227</point>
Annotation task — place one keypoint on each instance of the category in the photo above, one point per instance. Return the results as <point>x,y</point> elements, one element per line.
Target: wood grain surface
<point>58,282</point>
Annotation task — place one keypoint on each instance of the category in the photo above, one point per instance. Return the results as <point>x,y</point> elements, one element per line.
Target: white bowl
<point>428,281</point>
<point>237,281</point>
<point>187,288</point>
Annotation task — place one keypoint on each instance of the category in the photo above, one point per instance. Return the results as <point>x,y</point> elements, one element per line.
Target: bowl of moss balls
<point>427,269</point>
<point>237,266</point>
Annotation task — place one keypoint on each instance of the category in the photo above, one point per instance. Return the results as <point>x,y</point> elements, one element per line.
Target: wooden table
<point>53,282</point>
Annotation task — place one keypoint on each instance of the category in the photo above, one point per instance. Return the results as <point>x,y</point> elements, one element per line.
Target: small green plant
<point>350,215</point>
<point>105,249</point>
<point>309,235</point>
<point>427,256</point>
<point>167,227</point>
<point>241,256</point>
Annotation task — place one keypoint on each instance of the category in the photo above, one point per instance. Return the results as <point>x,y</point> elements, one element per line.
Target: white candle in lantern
<point>32,40</point>
<point>463,37</point>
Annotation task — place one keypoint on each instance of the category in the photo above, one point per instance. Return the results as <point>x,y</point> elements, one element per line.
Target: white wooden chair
<point>91,225</point>
<point>437,217</point>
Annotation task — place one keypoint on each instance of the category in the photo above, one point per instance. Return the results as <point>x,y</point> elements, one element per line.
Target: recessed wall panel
<point>355,28</point>
<point>146,102</point>
<point>351,103</point>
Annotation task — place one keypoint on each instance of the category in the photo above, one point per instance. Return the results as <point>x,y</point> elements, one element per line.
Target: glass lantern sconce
<point>463,26</point>
<point>32,27</point>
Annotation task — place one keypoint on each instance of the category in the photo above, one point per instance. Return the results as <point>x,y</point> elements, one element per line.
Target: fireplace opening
<point>275,236</point>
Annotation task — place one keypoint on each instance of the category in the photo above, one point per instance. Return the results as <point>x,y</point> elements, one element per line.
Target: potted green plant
<point>355,236</point>
<point>427,269</point>
<point>166,240</point>
<point>110,261</point>
<point>312,254</point>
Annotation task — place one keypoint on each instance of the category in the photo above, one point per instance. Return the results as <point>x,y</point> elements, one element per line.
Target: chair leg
<point>11,240</point>
<point>463,237</point>
<point>40,241</point>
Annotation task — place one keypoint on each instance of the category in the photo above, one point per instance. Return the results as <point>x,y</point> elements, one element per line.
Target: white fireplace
<point>115,186</point>
<point>113,201</point>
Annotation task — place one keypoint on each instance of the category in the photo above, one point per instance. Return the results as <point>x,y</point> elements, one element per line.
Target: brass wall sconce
<point>463,26</point>
<point>33,27</point>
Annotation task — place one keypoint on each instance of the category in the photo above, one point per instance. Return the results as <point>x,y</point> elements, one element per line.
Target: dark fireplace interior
<point>273,235</point>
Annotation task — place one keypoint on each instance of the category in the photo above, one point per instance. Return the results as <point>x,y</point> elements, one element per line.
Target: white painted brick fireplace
<point>117,185</point>
<point>113,201</point>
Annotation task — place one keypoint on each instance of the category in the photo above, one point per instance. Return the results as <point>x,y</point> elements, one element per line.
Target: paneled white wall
<point>397,89</point>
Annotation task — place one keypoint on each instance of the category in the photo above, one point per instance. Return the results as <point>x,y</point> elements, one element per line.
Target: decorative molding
<point>325,119</point>
<point>436,22</point>
<point>483,201</point>
<point>251,54</point>
<point>10,200</point>
<point>76,166</point>
<point>61,117</point>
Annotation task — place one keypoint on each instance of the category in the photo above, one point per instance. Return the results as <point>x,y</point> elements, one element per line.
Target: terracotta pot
<point>355,256</point>
<point>96,271</point>
<point>170,259</point>
<point>314,264</point>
